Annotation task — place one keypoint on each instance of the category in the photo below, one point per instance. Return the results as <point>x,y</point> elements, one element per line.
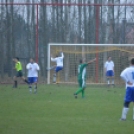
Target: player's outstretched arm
<point>62,55</point>
<point>53,59</point>
<point>91,61</point>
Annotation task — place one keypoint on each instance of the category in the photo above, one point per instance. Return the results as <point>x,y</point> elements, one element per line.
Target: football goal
<point>96,74</point>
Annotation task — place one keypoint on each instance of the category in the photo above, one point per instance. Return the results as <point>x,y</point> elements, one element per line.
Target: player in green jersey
<point>82,77</point>
<point>18,68</point>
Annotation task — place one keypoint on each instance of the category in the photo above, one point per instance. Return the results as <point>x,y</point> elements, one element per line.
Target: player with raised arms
<point>18,68</point>
<point>32,74</point>
<point>82,77</point>
<point>128,76</point>
<point>109,70</point>
<point>59,65</point>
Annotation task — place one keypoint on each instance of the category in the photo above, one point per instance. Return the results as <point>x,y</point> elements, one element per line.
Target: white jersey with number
<point>58,60</point>
<point>33,69</point>
<point>109,65</point>
<point>128,75</point>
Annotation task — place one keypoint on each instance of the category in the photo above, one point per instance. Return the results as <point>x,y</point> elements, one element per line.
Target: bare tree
<point>8,39</point>
<point>2,41</point>
<point>43,41</point>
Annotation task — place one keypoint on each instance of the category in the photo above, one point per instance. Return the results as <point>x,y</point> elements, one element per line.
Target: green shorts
<point>82,83</point>
<point>19,74</point>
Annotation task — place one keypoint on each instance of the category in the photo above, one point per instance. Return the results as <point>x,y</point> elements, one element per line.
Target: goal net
<point>120,54</point>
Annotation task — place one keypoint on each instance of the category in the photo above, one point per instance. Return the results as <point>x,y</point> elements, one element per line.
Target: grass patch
<point>53,110</point>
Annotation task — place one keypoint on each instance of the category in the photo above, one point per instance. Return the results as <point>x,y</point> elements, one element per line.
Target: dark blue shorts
<point>19,73</point>
<point>57,69</point>
<point>129,97</point>
<point>110,73</point>
<point>32,80</point>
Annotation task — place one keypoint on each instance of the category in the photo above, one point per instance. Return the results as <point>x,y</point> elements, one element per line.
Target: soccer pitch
<point>54,110</point>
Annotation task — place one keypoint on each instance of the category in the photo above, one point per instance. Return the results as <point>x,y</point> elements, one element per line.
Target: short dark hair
<point>80,61</point>
<point>132,61</point>
<point>17,58</point>
<point>32,59</point>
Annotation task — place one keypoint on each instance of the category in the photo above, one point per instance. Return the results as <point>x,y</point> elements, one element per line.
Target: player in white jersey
<point>128,76</point>
<point>109,70</point>
<point>59,65</point>
<point>32,74</point>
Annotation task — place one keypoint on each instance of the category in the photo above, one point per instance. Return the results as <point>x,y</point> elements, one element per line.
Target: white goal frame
<point>63,44</point>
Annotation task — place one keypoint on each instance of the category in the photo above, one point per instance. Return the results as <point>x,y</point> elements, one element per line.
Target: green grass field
<point>53,110</point>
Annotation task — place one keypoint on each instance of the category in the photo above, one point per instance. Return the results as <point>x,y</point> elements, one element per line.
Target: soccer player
<point>109,70</point>
<point>18,68</point>
<point>128,76</point>
<point>59,65</point>
<point>82,77</point>
<point>32,75</point>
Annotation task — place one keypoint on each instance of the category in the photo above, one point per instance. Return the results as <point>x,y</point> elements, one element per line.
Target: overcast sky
<point>122,1</point>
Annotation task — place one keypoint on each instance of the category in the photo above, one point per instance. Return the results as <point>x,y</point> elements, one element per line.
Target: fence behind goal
<point>121,55</point>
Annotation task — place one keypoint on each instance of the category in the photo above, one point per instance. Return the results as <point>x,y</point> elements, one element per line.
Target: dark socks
<point>15,84</point>
<point>26,81</point>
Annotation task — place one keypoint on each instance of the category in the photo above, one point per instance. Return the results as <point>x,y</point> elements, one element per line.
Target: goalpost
<point>120,54</point>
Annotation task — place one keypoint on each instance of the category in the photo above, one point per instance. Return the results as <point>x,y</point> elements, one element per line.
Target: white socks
<point>35,89</point>
<point>30,89</point>
<point>124,113</point>
<point>54,78</point>
<point>108,82</point>
<point>113,81</point>
<point>133,113</point>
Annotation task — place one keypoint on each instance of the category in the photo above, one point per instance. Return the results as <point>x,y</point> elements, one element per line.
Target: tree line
<point>58,24</point>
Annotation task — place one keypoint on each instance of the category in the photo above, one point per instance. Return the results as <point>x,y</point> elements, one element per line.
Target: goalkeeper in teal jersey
<point>82,77</point>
